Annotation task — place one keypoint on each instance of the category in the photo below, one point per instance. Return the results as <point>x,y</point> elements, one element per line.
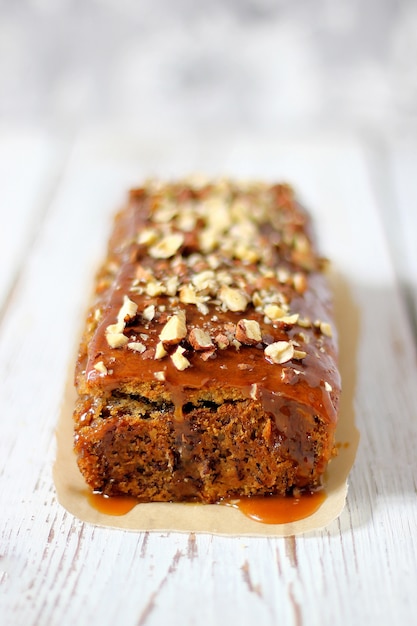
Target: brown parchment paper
<point>214,518</point>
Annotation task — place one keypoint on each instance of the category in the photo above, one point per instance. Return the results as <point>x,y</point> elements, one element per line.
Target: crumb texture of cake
<point>208,364</point>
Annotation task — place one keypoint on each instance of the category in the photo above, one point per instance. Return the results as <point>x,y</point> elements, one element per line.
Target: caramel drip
<point>115,505</point>
<point>279,509</point>
<point>262,509</point>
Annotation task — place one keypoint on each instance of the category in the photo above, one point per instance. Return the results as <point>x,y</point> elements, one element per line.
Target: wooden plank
<point>403,168</point>
<point>26,171</point>
<point>57,570</point>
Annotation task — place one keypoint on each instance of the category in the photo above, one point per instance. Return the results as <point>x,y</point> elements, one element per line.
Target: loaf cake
<point>208,365</point>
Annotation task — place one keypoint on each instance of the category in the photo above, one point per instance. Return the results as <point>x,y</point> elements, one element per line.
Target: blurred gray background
<point>261,65</point>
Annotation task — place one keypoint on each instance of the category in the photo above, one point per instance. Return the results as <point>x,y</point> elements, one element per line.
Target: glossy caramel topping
<point>215,287</point>
<point>280,509</point>
<point>263,509</point>
<point>116,505</point>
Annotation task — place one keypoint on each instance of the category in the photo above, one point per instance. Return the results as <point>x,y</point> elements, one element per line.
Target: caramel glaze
<point>280,509</point>
<point>263,509</point>
<point>295,393</point>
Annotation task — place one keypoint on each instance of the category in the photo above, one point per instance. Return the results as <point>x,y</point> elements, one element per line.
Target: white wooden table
<point>56,199</point>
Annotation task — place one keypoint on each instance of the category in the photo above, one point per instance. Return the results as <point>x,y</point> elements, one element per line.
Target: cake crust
<point>208,365</point>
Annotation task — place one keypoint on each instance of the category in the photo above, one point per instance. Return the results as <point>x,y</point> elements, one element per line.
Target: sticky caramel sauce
<point>263,509</point>
<point>115,505</point>
<point>279,509</point>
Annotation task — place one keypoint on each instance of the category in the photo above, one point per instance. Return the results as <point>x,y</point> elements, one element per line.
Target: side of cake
<point>208,365</point>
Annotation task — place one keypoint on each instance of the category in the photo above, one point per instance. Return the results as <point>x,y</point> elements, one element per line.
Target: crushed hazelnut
<point>233,299</point>
<point>160,351</point>
<point>171,285</point>
<point>326,329</point>
<point>188,295</point>
<point>179,360</point>
<point>200,339</point>
<point>148,236</point>
<point>299,354</point>
<point>280,351</point>
<point>248,332</point>
<point>160,375</point>
<point>205,281</point>
<point>166,247</point>
<point>101,368</point>
<point>149,312</point>
<point>205,355</point>
<point>175,329</point>
<point>116,340</point>
<point>128,310</point>
<point>222,340</point>
<point>274,312</point>
<point>136,346</point>
<point>289,320</point>
<point>300,282</point>
<point>154,288</point>
<point>254,393</point>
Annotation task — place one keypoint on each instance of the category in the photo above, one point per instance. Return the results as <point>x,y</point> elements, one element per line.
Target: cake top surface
<point>217,288</point>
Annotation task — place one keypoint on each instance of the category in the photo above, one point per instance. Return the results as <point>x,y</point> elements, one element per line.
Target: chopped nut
<point>154,288</point>
<point>233,299</point>
<point>127,311</point>
<point>222,340</point>
<point>149,312</point>
<point>274,312</point>
<point>256,299</point>
<point>289,320</point>
<point>327,386</point>
<point>205,281</point>
<point>148,236</point>
<point>167,246</point>
<point>200,339</point>
<point>280,351</point>
<point>116,340</point>
<point>245,252</point>
<point>254,393</point>
<point>101,368</point>
<point>174,330</point>
<point>188,295</point>
<point>171,285</point>
<point>283,275</point>
<point>224,277</point>
<point>137,346</point>
<point>208,239</point>
<point>160,351</point>
<point>114,329</point>
<point>203,308</point>
<point>179,360</point>
<point>143,275</point>
<point>160,375</point>
<point>299,354</point>
<point>205,355</point>
<point>248,332</point>
<point>289,375</point>
<point>300,282</point>
<point>326,329</point>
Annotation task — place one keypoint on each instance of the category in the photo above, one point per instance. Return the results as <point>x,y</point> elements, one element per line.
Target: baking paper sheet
<point>218,519</point>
